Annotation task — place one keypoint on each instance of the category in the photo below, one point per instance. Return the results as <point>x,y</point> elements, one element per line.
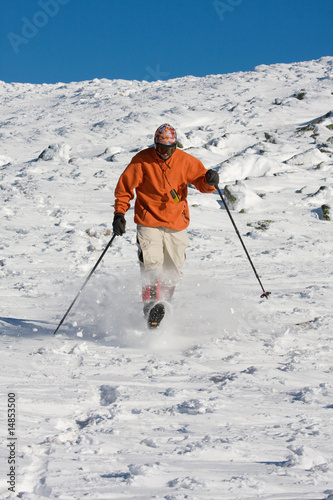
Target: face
<point>165,152</point>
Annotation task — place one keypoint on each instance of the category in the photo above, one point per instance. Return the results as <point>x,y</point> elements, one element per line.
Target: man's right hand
<point>119,224</point>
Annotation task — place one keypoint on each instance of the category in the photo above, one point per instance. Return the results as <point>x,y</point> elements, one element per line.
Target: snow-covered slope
<point>232,398</point>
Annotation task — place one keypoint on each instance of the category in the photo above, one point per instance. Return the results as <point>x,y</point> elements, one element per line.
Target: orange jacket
<point>153,179</point>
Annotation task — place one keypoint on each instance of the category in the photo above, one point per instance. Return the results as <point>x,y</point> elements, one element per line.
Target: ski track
<point>231,398</point>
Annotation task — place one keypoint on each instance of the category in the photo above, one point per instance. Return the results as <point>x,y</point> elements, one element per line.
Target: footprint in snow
<point>192,407</point>
<point>108,395</point>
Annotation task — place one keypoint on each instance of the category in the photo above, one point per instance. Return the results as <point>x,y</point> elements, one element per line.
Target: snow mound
<point>248,165</point>
<point>242,198</point>
<point>324,195</point>
<point>5,160</point>
<point>310,158</point>
<point>56,152</point>
<point>305,458</point>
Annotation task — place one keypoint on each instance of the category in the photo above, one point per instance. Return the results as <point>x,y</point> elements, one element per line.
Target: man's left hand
<point>212,177</point>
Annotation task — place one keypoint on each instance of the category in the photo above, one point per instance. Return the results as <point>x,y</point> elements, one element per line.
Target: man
<point>160,175</point>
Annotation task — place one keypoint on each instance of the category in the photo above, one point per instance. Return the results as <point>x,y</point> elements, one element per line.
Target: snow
<point>232,397</point>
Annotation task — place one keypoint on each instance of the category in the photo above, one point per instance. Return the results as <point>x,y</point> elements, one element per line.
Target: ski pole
<point>264,294</point>
<point>84,284</point>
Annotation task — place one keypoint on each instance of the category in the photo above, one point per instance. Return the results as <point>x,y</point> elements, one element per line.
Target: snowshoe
<point>155,315</point>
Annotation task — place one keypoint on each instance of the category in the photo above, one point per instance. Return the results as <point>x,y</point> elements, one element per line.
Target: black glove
<point>212,177</point>
<point>119,224</point>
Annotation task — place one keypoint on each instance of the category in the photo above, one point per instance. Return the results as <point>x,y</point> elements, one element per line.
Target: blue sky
<point>47,41</point>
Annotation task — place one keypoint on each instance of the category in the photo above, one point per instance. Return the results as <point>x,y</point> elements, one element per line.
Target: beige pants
<point>161,254</point>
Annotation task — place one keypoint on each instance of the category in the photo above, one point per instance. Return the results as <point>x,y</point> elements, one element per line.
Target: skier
<point>160,175</point>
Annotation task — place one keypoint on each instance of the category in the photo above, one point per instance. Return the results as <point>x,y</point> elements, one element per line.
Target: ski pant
<point>161,253</point>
